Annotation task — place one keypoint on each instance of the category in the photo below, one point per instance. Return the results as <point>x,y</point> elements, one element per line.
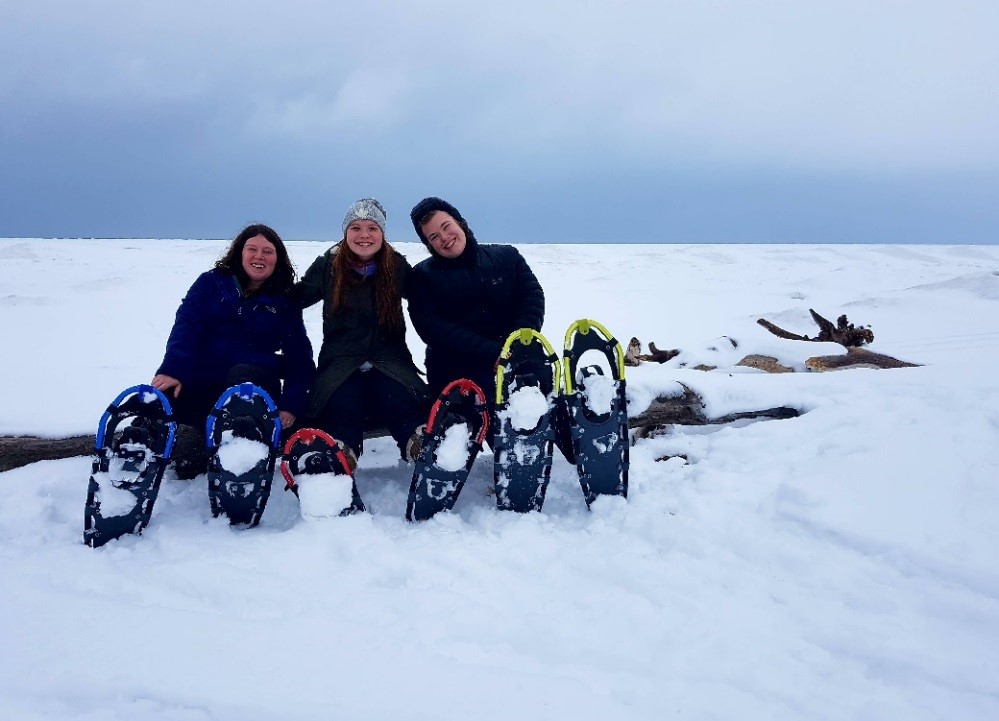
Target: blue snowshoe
<point>527,384</point>
<point>243,435</point>
<point>133,444</point>
<point>452,438</point>
<point>597,409</point>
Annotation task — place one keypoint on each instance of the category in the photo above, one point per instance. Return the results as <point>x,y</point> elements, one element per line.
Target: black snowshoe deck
<point>243,414</point>
<point>523,456</point>
<point>312,452</point>
<point>134,440</point>
<point>600,442</point>
<point>435,488</point>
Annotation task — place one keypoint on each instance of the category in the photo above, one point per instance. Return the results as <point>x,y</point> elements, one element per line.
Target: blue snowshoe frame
<point>600,472</point>
<point>152,418</point>
<point>434,489</point>
<point>242,498</point>
<point>527,358</point>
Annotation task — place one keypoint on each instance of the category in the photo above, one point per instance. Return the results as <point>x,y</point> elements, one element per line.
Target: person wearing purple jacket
<point>236,324</point>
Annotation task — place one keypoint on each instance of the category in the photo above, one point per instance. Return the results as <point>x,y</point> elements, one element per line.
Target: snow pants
<point>371,399</point>
<point>191,409</point>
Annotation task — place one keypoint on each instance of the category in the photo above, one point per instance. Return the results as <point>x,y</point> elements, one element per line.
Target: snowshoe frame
<point>242,498</point>
<point>523,459</point>
<point>139,402</point>
<point>434,489</point>
<point>600,472</point>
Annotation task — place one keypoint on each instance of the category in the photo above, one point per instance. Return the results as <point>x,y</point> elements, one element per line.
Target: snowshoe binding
<point>527,383</point>
<point>452,438</point>
<point>243,434</point>
<point>323,465</point>
<point>597,410</point>
<point>132,448</point>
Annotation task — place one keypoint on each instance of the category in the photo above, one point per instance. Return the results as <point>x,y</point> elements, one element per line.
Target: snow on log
<point>687,409</point>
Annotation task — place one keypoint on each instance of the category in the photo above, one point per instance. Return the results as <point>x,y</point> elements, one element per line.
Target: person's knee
<point>257,375</point>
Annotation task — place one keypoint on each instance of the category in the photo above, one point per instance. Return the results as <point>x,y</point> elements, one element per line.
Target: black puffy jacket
<point>464,308</point>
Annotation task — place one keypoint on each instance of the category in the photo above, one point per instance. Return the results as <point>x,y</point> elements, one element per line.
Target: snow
<point>598,392</point>
<point>839,565</point>
<point>452,453</point>
<point>239,455</point>
<point>322,495</point>
<point>114,501</point>
<point>525,407</point>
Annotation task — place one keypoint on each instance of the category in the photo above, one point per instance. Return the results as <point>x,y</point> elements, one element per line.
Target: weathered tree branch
<point>844,332</point>
<point>633,356</point>
<point>780,332</point>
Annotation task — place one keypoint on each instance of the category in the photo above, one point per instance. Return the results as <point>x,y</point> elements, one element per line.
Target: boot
<point>190,456</point>
<point>415,444</point>
<point>349,454</point>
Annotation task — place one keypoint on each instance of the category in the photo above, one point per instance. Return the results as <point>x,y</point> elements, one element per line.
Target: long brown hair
<point>388,296</point>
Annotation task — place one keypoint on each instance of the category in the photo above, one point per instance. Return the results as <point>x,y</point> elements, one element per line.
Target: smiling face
<point>444,235</point>
<point>259,260</point>
<point>364,238</point>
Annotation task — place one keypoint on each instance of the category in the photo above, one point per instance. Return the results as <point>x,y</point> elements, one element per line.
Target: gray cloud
<point>190,119</point>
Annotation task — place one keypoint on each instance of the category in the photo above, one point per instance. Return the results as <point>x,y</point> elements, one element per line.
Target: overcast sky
<point>644,121</point>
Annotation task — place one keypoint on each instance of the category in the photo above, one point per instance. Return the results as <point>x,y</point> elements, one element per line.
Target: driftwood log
<point>844,332</point>
<point>856,358</point>
<point>687,409</point>
<point>17,451</point>
<point>633,355</point>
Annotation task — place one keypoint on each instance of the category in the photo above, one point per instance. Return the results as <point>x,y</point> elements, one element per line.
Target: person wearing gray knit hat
<point>365,209</point>
<point>366,377</point>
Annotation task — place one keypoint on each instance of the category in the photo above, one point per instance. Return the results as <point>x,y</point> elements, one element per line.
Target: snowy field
<point>840,565</point>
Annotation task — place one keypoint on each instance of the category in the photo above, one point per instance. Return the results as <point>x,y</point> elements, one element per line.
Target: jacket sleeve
<point>189,331</point>
<point>309,290</point>
<point>404,274</point>
<point>439,333</point>
<point>300,369</point>
<point>531,312</point>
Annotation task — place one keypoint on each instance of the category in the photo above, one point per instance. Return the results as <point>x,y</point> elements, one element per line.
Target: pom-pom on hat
<point>430,205</point>
<point>365,209</point>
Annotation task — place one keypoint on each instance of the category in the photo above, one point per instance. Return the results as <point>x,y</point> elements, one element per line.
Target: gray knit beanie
<point>365,209</point>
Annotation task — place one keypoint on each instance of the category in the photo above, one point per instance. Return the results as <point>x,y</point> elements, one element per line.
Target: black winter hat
<point>429,205</point>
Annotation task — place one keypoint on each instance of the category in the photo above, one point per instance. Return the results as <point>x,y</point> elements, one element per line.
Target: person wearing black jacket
<point>466,298</point>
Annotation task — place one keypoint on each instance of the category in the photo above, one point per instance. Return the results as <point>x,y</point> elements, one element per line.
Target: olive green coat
<point>352,336</point>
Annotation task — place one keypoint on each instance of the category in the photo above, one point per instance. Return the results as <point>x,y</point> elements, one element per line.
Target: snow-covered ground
<point>840,565</point>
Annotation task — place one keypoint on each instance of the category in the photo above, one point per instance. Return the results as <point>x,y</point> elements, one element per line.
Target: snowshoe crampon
<point>597,410</point>
<point>131,451</point>
<point>453,437</point>
<point>243,434</point>
<point>316,469</point>
<point>527,381</point>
